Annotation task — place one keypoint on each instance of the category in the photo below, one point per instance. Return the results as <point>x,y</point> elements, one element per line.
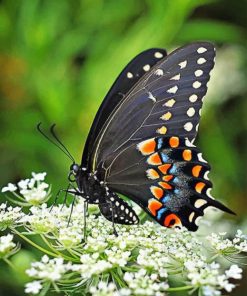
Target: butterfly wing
<point>166,100</point>
<point>130,75</point>
<point>116,209</point>
<point>167,177</point>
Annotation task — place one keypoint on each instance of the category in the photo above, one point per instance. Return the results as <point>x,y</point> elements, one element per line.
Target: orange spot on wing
<point>152,174</point>
<point>187,155</point>
<point>167,178</point>
<point>154,206</point>
<point>157,191</point>
<point>164,168</point>
<point>154,159</point>
<point>199,186</point>
<point>172,220</point>
<point>174,142</point>
<point>165,185</point>
<point>147,147</point>
<point>196,170</point>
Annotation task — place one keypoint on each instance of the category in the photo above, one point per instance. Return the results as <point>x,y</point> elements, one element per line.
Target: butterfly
<point>140,144</point>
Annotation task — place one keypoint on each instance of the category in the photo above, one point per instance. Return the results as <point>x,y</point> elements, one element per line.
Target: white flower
<point>10,187</point>
<point>39,176</point>
<point>6,245</point>
<point>48,269</point>
<point>33,287</point>
<point>23,184</point>
<point>35,195</point>
<point>234,272</point>
<point>9,216</point>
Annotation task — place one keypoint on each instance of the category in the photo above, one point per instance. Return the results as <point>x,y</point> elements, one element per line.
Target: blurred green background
<point>59,58</point>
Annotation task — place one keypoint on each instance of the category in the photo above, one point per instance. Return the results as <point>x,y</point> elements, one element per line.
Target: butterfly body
<point>141,142</point>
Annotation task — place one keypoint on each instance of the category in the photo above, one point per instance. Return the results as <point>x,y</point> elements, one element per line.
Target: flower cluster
<point>32,191</point>
<point>226,246</point>
<point>9,216</point>
<point>7,246</point>
<point>143,259</point>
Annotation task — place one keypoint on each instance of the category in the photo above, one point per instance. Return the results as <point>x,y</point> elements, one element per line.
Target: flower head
<point>7,246</point>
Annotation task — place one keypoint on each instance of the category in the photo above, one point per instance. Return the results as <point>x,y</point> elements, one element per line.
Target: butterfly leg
<point>113,222</point>
<point>72,207</point>
<point>58,194</point>
<point>85,221</point>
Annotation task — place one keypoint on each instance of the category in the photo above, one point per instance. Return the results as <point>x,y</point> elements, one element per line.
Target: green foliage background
<point>59,58</point>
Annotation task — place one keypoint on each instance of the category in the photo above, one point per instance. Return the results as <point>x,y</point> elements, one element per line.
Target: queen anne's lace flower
<point>48,269</point>
<point>33,287</point>
<point>9,216</point>
<point>10,187</point>
<point>7,246</point>
<point>138,261</point>
<point>32,191</point>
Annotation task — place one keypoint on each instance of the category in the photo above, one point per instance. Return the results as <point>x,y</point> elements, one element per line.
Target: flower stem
<point>7,261</point>
<point>177,289</point>
<point>56,251</point>
<point>33,244</point>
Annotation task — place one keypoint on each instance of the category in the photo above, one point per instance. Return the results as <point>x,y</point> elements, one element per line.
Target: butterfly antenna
<point>65,151</point>
<point>59,141</point>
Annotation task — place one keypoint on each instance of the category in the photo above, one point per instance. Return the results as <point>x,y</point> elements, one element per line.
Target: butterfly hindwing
<point>167,177</point>
<point>130,75</point>
<point>166,100</point>
<point>116,209</point>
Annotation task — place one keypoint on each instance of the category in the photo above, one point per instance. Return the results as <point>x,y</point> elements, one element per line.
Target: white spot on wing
<point>146,68</point>
<point>188,143</point>
<point>200,202</point>
<point>159,72</point>
<point>173,89</point>
<point>191,216</point>
<point>201,50</point>
<point>197,84</point>
<point>198,73</point>
<point>182,64</point>
<point>193,98</point>
<point>201,61</point>
<point>158,55</point>
<point>176,77</point>
<point>208,192</point>
<point>151,97</point>
<point>129,75</point>
<point>191,112</point>
<point>188,126</point>
<point>200,158</point>
<point>206,175</point>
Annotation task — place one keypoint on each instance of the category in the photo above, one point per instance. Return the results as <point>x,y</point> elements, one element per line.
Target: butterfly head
<point>74,172</point>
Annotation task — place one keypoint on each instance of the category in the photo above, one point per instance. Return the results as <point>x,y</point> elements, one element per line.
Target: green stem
<point>212,258</point>
<point>177,289</point>
<point>33,244</point>
<point>56,251</point>
<point>7,261</point>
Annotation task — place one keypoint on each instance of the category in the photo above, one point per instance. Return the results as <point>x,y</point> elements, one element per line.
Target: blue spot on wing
<point>160,212</point>
<point>164,157</point>
<point>173,170</point>
<point>166,198</point>
<point>160,143</point>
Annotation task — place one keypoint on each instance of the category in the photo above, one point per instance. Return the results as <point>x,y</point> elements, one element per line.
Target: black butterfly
<point>141,141</point>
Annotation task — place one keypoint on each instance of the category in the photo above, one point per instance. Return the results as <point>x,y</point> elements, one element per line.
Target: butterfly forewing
<point>167,100</point>
<point>130,75</point>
